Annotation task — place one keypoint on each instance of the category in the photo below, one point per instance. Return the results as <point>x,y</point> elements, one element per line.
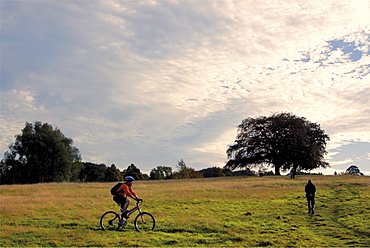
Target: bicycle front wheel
<point>110,221</point>
<point>144,222</point>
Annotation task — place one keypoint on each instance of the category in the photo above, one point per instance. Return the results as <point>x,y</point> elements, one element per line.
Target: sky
<point>153,82</point>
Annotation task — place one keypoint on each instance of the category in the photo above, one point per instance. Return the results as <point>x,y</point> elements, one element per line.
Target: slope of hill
<point>251,211</point>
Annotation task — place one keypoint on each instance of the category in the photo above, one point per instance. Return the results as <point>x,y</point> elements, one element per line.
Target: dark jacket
<point>310,189</point>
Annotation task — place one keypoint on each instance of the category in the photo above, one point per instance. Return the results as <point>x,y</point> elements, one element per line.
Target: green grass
<point>251,211</point>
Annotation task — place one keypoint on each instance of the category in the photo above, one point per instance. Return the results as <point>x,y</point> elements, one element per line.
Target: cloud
<point>152,82</point>
<point>346,161</point>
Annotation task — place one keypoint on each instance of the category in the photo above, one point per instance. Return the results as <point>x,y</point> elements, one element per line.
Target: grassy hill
<point>240,211</point>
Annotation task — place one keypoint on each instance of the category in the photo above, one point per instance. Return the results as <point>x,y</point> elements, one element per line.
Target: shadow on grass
<point>74,225</point>
<point>183,230</point>
<point>179,230</point>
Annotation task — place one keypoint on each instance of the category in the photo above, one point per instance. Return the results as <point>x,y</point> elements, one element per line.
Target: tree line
<point>283,141</point>
<point>42,154</point>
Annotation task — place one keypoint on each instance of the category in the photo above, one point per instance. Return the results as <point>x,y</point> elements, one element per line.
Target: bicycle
<point>113,221</point>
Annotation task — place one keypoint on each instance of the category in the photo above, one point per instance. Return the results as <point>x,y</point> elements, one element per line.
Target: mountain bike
<point>113,221</point>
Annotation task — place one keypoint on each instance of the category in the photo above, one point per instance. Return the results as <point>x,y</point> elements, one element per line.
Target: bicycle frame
<point>137,207</point>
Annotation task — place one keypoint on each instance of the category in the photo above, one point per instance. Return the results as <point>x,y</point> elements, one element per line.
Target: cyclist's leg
<point>125,207</point>
<point>126,204</point>
<point>123,203</point>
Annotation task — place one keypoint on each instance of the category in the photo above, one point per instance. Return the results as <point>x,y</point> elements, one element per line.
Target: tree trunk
<point>277,170</point>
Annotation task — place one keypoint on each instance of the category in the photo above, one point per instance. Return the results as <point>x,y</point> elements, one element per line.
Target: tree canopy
<point>160,173</point>
<point>133,171</point>
<point>185,172</point>
<point>92,172</point>
<point>112,174</point>
<point>283,141</point>
<point>40,154</point>
<point>354,170</point>
<point>213,172</point>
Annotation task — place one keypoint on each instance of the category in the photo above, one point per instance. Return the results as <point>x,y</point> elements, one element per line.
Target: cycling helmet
<point>129,178</point>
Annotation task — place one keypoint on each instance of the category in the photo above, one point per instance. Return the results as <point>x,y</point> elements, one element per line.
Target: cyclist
<point>310,190</point>
<point>123,192</point>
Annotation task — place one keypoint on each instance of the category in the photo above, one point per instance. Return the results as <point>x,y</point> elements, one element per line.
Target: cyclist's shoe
<point>126,214</point>
<point>123,223</point>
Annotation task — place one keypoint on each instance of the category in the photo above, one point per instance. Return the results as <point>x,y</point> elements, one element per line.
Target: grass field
<point>250,211</point>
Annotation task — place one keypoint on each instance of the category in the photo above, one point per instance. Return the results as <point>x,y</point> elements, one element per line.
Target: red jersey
<point>126,190</point>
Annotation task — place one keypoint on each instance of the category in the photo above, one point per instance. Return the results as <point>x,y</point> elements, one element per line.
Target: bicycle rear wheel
<point>110,221</point>
<point>144,222</point>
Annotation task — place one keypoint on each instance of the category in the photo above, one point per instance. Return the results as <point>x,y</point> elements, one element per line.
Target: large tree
<point>283,141</point>
<point>354,170</point>
<point>40,153</point>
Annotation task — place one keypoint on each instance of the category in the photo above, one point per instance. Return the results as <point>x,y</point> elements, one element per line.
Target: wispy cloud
<point>155,81</point>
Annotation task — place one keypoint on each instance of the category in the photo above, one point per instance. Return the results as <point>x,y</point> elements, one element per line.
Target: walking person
<point>310,190</point>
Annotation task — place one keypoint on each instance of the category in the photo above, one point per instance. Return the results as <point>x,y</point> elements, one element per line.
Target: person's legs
<point>309,202</point>
<point>125,206</point>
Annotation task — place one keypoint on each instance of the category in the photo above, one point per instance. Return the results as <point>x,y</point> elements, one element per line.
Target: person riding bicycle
<point>310,190</point>
<point>122,194</point>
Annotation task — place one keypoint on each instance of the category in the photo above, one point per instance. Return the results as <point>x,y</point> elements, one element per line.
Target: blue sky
<point>153,82</point>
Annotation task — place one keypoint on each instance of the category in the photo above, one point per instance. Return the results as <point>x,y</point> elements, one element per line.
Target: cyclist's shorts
<point>120,200</point>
